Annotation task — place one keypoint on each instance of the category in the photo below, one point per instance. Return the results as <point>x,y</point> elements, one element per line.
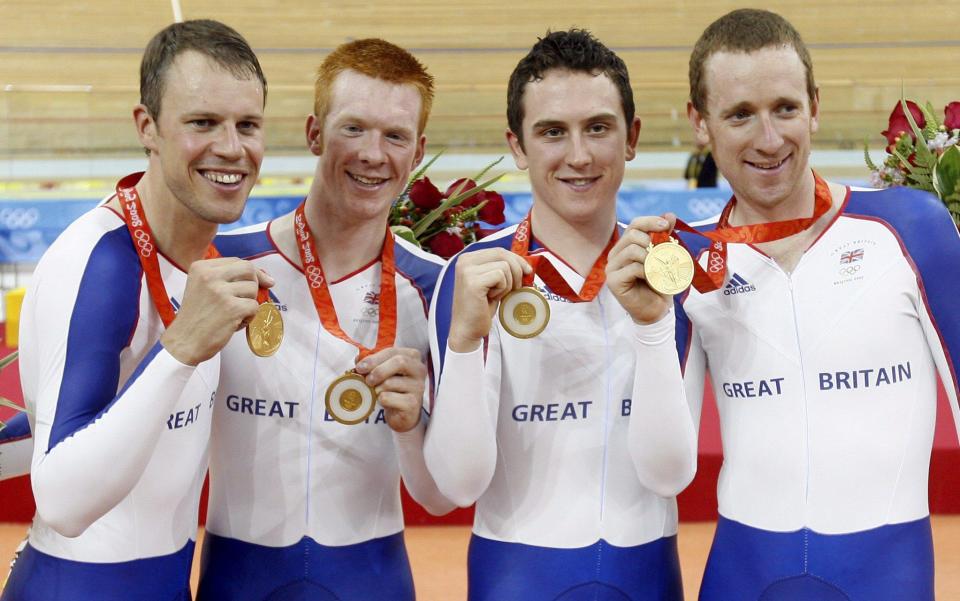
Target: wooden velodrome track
<point>68,79</point>
<point>68,70</point>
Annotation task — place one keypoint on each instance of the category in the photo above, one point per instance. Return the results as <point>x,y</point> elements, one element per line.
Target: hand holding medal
<point>399,376</point>
<point>218,297</point>
<point>483,279</point>
<point>524,313</point>
<point>646,267</point>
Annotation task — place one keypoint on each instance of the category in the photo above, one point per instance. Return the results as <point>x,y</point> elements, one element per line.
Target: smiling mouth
<point>579,182</point>
<point>768,166</point>
<point>219,177</point>
<point>367,181</point>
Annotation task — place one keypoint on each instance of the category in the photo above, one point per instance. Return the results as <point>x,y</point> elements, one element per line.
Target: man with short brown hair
<point>121,330</point>
<point>823,346</point>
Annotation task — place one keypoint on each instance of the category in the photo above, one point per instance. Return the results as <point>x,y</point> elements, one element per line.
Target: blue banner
<point>28,227</point>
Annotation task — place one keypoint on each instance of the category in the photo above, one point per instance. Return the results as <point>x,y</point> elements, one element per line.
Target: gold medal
<point>265,330</point>
<point>524,312</point>
<point>349,399</point>
<point>668,267</point>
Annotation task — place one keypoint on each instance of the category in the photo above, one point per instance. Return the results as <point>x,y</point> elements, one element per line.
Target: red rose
<point>898,124</point>
<point>952,116</point>
<point>492,212</point>
<point>470,185</point>
<point>425,195</point>
<point>445,244</point>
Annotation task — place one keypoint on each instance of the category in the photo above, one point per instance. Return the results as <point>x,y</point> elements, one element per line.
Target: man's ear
<point>313,129</point>
<point>146,128</point>
<point>516,149</point>
<point>699,123</point>
<point>633,136</point>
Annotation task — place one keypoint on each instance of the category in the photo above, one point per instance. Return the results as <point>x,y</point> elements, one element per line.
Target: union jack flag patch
<point>852,257</point>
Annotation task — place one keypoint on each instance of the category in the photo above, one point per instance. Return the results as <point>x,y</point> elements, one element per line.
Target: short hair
<point>375,58</point>
<point>744,30</point>
<point>218,42</point>
<point>572,50</point>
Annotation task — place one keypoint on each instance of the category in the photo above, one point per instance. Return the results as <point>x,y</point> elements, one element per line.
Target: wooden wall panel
<point>68,71</point>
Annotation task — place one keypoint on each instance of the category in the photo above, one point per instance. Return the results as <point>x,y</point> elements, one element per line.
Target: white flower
<point>896,176</point>
<point>877,181</point>
<point>454,229</point>
<point>942,141</point>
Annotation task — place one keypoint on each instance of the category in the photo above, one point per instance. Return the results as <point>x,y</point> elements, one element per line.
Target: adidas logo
<point>738,285</point>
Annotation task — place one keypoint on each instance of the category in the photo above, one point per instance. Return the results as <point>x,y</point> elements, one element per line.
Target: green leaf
<point>931,124</point>
<point>924,155</point>
<point>487,168</point>
<point>402,231</point>
<point>946,175</point>
<point>9,359</point>
<point>866,156</point>
<point>422,170</point>
<point>11,405</point>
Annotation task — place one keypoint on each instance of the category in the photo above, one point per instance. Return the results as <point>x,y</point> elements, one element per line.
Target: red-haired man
<point>302,506</point>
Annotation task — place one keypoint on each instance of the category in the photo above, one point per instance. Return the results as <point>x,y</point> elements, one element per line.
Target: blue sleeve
<point>101,324</point>
<point>442,311</point>
<point>17,428</point>
<point>931,241</point>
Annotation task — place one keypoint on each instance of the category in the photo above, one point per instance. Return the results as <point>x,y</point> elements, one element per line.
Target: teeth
<point>580,182</point>
<point>222,178</point>
<point>774,166</point>
<point>370,181</point>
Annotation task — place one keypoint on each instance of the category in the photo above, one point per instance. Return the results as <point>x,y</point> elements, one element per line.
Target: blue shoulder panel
<point>244,246</point>
<point>931,241</point>
<point>421,271</point>
<point>104,316</point>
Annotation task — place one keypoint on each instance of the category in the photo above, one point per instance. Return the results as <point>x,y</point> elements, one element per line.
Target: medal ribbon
<point>316,281</point>
<point>712,278</point>
<point>549,274</point>
<point>144,241</point>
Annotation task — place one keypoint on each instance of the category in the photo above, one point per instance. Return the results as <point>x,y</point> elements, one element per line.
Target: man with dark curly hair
<point>541,412</point>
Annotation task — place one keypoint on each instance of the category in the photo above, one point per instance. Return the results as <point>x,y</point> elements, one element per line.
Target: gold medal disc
<point>349,399</point>
<point>524,313</point>
<point>265,330</point>
<point>668,267</point>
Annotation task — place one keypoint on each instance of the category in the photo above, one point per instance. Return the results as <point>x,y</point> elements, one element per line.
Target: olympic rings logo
<point>314,276</point>
<point>521,233</point>
<point>852,269</point>
<point>18,219</point>
<point>715,263</point>
<point>142,239</point>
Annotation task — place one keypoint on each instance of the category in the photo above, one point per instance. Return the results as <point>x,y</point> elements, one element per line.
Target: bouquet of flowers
<point>444,222</point>
<point>6,402</point>
<point>922,152</point>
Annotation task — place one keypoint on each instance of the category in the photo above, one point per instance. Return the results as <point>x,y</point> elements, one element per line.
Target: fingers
<point>264,280</point>
<point>396,369</point>
<point>632,252</point>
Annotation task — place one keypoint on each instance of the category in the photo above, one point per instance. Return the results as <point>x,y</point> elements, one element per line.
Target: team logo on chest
<point>849,261</point>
